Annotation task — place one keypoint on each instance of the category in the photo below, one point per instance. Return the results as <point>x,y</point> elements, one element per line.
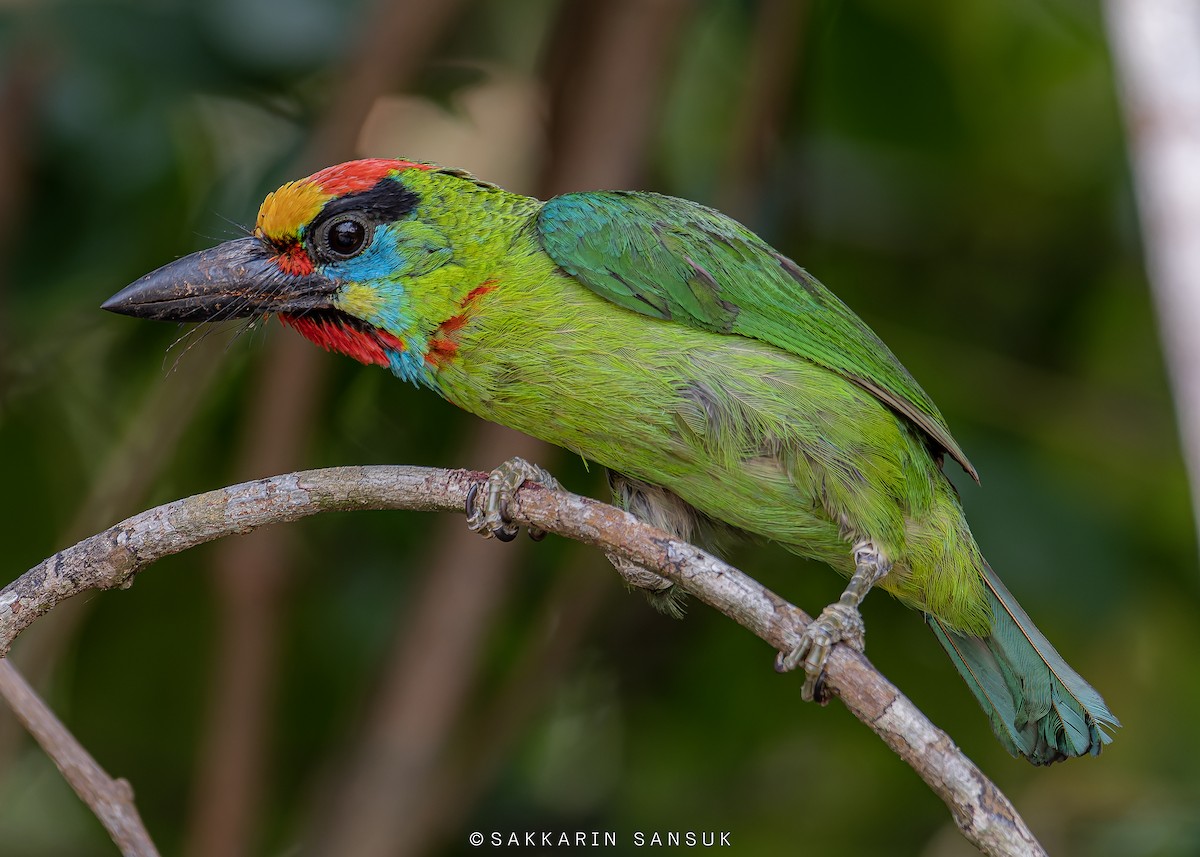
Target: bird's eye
<point>344,237</point>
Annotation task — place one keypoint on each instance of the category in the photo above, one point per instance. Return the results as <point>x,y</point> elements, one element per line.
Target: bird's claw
<point>485,524</point>
<point>838,623</point>
<point>489,517</point>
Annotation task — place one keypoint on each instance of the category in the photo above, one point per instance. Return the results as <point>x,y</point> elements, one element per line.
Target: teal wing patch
<point>673,259</point>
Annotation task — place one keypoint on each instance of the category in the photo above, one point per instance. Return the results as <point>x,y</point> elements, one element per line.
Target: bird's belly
<point>750,435</point>
<point>737,429</point>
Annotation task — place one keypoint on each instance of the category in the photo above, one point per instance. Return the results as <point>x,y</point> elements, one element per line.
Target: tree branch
<point>111,800</point>
<point>113,558</point>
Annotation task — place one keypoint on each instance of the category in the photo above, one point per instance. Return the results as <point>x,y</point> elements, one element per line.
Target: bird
<point>725,389</point>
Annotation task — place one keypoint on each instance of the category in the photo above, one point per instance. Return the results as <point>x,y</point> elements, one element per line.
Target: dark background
<point>386,683</point>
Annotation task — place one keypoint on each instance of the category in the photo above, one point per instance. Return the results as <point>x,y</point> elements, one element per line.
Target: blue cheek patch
<point>410,366</point>
<point>379,261</point>
<point>378,266</point>
<point>397,252</point>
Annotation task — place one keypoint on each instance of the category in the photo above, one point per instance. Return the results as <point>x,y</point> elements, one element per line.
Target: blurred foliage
<point>955,171</point>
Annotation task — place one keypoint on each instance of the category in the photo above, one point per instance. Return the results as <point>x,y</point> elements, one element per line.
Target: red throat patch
<point>366,345</point>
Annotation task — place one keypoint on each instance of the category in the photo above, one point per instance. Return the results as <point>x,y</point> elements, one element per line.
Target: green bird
<point>724,388</point>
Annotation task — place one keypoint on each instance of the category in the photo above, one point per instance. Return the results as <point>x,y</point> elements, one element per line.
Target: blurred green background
<point>388,683</point>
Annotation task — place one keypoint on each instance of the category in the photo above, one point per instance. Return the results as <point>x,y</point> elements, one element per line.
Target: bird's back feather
<point>674,259</point>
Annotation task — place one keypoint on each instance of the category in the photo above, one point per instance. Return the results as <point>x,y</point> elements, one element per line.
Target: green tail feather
<point>1039,707</point>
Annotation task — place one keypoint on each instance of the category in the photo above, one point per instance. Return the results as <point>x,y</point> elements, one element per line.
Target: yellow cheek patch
<point>360,301</point>
<point>289,208</point>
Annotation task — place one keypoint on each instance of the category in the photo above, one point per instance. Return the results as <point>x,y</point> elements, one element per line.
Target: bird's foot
<point>490,517</point>
<point>838,623</point>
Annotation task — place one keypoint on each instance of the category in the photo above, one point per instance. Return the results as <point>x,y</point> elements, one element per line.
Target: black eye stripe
<point>387,201</point>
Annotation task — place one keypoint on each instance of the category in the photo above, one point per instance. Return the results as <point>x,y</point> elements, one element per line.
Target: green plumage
<point>673,259</point>
<point>670,344</point>
<point>721,384</point>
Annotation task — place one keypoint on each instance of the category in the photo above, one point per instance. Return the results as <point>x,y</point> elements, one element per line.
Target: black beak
<point>237,279</point>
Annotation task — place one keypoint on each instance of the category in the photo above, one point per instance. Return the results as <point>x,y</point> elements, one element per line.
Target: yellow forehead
<point>286,210</point>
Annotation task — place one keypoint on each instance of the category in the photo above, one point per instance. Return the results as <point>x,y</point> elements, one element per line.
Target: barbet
<point>724,388</point>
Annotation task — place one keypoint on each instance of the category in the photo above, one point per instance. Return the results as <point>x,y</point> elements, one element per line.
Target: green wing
<point>673,259</point>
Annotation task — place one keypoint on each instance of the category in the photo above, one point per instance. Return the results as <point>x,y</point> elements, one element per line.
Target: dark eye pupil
<point>347,237</point>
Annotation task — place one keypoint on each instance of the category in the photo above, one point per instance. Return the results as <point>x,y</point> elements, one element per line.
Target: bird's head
<point>333,255</point>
